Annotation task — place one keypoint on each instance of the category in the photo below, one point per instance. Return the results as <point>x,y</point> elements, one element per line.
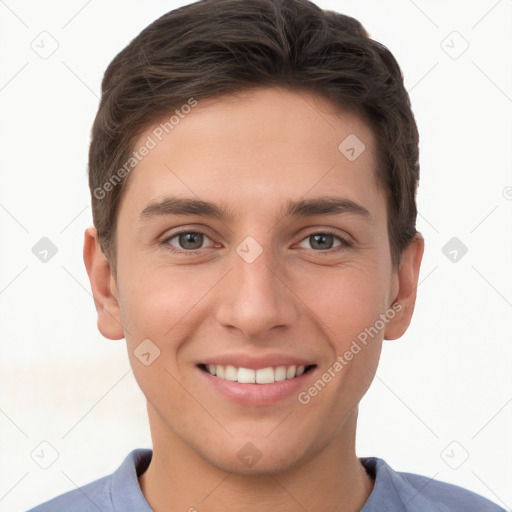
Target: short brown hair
<point>217,47</point>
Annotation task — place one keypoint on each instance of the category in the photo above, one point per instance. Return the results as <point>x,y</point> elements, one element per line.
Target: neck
<point>178,479</point>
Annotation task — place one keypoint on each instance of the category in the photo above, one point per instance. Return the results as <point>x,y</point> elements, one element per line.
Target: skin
<point>252,153</point>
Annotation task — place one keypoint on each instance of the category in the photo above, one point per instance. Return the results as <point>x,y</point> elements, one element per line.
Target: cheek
<point>347,300</point>
<point>158,302</point>
<point>157,305</point>
<point>349,308</point>
<point>148,306</point>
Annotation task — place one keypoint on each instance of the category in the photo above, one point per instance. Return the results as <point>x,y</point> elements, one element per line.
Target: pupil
<point>321,240</point>
<point>191,238</point>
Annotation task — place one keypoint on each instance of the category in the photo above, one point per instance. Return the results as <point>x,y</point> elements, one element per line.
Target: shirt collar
<point>125,489</point>
<point>390,493</point>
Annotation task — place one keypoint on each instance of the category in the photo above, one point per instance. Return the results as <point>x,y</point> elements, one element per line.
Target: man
<point>253,169</point>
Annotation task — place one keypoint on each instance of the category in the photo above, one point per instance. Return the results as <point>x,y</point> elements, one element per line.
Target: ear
<point>103,286</point>
<point>408,274</point>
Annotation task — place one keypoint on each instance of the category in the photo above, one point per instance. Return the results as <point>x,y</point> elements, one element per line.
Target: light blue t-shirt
<point>392,492</point>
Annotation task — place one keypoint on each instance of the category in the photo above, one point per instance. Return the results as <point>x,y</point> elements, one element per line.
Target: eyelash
<point>345,244</point>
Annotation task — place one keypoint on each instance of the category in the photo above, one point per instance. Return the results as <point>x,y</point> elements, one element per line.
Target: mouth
<point>267,375</point>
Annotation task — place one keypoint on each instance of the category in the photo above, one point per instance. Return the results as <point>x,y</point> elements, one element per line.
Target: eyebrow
<point>327,205</point>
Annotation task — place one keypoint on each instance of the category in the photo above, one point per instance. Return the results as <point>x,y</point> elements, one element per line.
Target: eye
<point>188,241</point>
<point>324,241</point>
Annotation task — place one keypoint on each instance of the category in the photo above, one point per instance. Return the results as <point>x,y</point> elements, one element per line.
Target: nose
<point>256,298</point>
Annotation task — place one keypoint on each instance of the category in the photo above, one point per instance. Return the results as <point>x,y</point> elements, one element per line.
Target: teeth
<point>250,376</point>
<point>231,373</point>
<point>280,373</point>
<point>290,372</point>
<point>220,371</point>
<point>265,376</point>
<point>246,375</point>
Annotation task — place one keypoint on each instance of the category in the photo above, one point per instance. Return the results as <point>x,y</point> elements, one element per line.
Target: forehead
<point>255,148</point>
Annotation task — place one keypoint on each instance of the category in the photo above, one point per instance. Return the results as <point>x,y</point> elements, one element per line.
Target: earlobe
<point>103,287</point>
<point>405,299</point>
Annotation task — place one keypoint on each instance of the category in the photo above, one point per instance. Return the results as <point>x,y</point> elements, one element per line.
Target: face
<point>251,245</point>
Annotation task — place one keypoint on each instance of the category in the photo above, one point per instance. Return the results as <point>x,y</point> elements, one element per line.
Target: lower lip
<point>257,394</point>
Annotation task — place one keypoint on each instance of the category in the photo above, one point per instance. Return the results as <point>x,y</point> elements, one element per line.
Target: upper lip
<point>256,362</point>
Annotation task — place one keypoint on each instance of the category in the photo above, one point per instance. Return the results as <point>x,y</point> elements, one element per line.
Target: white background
<point>447,380</point>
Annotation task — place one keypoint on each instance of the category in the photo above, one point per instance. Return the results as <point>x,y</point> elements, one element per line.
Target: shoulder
<point>93,496</point>
<point>452,497</point>
<point>416,493</point>
<point>108,494</point>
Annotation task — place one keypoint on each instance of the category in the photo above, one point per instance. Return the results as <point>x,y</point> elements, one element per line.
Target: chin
<point>258,456</point>
<point>269,464</point>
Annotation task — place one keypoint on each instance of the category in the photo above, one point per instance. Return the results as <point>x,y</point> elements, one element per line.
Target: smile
<point>267,375</point>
